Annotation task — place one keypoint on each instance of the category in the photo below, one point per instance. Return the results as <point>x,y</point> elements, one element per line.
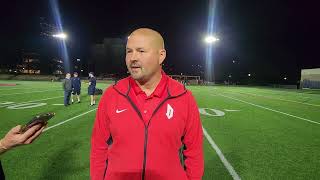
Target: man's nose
<point>134,56</point>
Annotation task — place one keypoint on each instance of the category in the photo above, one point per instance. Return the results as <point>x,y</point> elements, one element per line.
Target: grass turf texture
<point>274,134</point>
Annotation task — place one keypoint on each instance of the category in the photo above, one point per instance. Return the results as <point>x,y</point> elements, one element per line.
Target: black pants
<point>1,173</point>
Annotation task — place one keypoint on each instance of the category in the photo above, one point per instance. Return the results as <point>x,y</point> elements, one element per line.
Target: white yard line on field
<point>266,108</point>
<point>296,93</point>
<point>317,105</point>
<point>28,92</point>
<point>231,110</point>
<point>60,123</point>
<point>41,99</point>
<point>225,162</point>
<point>8,89</point>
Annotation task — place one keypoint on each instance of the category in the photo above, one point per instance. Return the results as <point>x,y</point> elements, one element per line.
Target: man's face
<point>75,75</point>
<point>143,59</point>
<point>68,75</point>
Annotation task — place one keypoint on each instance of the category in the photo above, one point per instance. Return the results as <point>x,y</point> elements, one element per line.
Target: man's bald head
<point>144,54</point>
<point>156,40</point>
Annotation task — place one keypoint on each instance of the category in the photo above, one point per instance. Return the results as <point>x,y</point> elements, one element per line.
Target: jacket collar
<point>174,88</point>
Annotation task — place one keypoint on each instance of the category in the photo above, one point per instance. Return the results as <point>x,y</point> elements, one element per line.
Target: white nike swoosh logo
<point>119,111</point>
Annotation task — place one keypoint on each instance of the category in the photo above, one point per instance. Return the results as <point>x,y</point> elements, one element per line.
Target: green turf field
<point>251,133</point>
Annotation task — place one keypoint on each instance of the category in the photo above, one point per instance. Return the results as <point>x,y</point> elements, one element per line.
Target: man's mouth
<point>135,67</point>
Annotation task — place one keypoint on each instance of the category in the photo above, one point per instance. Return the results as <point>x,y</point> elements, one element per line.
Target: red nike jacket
<point>125,147</point>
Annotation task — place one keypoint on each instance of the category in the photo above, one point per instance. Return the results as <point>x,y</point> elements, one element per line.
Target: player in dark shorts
<point>76,87</point>
<point>92,88</point>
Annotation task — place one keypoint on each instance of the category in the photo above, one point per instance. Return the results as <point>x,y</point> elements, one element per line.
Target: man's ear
<point>162,55</point>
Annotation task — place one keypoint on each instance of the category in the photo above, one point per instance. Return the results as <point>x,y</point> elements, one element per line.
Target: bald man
<point>144,120</point>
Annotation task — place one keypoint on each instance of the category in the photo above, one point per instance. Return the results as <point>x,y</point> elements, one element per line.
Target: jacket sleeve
<point>99,146</point>
<point>193,141</point>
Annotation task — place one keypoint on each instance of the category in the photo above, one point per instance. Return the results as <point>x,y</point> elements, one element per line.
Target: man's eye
<point>141,51</point>
<point>129,52</point>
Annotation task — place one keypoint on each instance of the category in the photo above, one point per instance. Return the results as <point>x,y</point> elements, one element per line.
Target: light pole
<point>63,49</point>
<point>210,40</point>
<point>61,36</point>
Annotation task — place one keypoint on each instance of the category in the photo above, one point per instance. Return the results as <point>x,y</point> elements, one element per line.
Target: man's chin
<point>136,77</point>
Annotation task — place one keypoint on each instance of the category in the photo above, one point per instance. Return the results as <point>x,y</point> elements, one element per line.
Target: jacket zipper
<point>109,142</point>
<point>105,170</point>
<point>146,126</point>
<point>146,130</point>
<point>145,136</point>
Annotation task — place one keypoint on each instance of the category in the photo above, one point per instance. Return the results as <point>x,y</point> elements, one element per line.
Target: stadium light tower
<point>211,39</point>
<point>62,36</point>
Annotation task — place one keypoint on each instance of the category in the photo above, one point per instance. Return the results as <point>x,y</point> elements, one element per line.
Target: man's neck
<point>149,86</point>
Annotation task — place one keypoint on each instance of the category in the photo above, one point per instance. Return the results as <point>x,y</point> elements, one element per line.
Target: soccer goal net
<point>187,80</point>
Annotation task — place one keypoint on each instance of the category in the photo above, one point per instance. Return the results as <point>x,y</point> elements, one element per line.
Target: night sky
<point>270,39</point>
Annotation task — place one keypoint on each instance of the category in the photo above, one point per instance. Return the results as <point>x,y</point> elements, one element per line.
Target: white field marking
<point>8,89</point>
<point>60,123</point>
<point>19,103</point>
<point>203,111</point>
<point>213,95</point>
<point>301,118</point>
<point>57,104</point>
<point>225,162</point>
<point>26,85</point>
<point>281,99</point>
<point>28,92</point>
<point>26,105</point>
<point>300,95</point>
<point>41,99</point>
<point>311,89</point>
<point>231,110</point>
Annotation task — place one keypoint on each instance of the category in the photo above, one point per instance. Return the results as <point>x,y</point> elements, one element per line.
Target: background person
<point>67,88</point>
<point>92,88</point>
<point>76,87</point>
